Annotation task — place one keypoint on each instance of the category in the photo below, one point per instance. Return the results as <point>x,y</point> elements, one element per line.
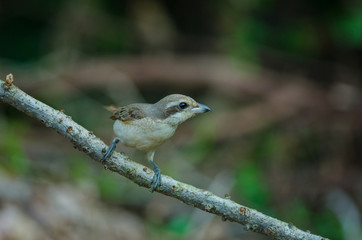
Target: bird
<point>146,126</point>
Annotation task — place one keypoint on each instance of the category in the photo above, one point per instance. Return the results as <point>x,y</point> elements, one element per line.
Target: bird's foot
<point>156,180</point>
<point>110,150</point>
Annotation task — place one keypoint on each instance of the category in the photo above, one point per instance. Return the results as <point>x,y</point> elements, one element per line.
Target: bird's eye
<point>183,105</point>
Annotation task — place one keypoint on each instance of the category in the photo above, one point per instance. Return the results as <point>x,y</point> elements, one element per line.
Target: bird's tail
<point>111,108</point>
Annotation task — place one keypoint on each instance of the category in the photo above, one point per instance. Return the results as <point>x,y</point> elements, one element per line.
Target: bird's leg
<point>156,180</point>
<point>110,150</point>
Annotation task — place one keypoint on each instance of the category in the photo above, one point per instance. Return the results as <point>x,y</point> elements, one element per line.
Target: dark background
<point>285,136</point>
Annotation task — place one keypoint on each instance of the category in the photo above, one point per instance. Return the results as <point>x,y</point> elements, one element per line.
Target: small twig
<point>9,81</point>
<point>87,142</point>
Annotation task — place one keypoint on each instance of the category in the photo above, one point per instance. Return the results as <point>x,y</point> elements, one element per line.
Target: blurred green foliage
<point>302,28</point>
<point>179,225</point>
<point>110,187</point>
<point>202,143</point>
<point>323,220</point>
<point>13,156</point>
<point>251,187</point>
<point>264,31</point>
<point>347,28</point>
<point>80,169</point>
<point>326,223</point>
<point>250,182</point>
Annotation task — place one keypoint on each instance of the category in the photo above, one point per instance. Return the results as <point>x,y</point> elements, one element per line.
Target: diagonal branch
<point>87,142</point>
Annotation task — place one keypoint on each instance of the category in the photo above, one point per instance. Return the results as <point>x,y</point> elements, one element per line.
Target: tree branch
<point>87,142</point>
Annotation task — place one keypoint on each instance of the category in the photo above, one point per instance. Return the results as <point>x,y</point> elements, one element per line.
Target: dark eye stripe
<point>172,110</point>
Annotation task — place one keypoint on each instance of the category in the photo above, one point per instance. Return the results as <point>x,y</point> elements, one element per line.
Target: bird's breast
<point>144,134</point>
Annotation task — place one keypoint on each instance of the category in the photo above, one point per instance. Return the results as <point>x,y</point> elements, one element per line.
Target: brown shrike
<point>146,126</point>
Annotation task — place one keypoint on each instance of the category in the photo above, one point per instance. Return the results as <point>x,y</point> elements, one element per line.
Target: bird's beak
<point>201,108</point>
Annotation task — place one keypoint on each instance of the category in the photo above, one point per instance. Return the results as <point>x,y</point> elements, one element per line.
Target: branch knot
<point>8,81</point>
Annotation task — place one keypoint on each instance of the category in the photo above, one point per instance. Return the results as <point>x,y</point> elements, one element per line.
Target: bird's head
<point>177,108</point>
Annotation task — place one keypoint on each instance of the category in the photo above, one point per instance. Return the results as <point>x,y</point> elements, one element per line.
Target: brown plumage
<point>126,113</point>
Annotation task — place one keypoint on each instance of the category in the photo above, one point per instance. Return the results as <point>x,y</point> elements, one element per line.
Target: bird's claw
<point>108,154</point>
<point>156,180</point>
<point>105,158</point>
<point>110,150</point>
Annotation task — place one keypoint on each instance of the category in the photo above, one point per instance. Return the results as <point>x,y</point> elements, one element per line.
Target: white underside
<point>143,134</point>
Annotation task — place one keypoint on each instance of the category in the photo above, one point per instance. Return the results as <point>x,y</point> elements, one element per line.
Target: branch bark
<point>87,142</point>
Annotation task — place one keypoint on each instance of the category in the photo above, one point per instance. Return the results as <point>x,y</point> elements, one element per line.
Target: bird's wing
<point>126,113</point>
